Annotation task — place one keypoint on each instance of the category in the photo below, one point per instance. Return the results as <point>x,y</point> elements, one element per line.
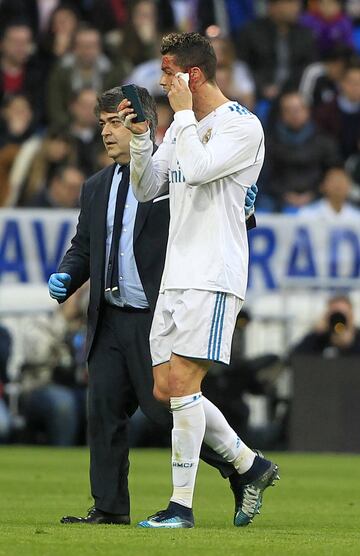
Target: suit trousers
<point>120,380</point>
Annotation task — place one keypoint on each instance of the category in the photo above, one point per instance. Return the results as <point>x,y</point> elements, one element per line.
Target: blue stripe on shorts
<point>214,345</point>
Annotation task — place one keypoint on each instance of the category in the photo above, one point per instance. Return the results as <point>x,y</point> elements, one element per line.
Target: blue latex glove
<point>58,285</point>
<point>250,199</point>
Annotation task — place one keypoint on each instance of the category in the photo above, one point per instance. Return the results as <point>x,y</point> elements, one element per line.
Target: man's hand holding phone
<point>131,112</point>
<point>127,115</point>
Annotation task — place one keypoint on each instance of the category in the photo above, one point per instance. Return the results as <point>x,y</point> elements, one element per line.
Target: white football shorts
<point>194,323</point>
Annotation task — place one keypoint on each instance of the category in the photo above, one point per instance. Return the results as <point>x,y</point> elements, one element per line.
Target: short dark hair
<point>85,27</point>
<point>15,24</point>
<point>74,95</point>
<point>354,65</point>
<point>338,52</point>
<point>60,171</point>
<point>191,50</point>
<point>110,100</point>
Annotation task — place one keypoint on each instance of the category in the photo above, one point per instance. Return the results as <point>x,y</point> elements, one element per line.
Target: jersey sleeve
<point>237,144</point>
<point>149,173</point>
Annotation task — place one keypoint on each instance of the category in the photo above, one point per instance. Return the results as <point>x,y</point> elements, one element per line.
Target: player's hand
<point>180,96</point>
<point>58,285</point>
<point>126,114</point>
<point>250,199</point>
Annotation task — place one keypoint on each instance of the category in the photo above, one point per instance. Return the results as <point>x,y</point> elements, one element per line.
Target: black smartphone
<point>130,92</point>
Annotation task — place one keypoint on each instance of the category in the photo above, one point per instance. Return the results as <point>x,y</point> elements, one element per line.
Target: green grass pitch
<point>314,509</point>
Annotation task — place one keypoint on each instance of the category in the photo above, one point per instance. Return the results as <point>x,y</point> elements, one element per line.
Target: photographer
<point>335,334</point>
<point>53,376</point>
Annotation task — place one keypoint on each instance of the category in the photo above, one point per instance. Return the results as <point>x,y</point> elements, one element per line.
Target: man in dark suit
<point>120,245</point>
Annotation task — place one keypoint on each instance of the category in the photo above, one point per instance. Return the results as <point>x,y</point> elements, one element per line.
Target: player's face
<point>169,68</point>
<point>115,136</point>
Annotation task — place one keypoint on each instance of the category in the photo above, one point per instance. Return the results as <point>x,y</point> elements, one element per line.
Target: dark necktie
<point>112,275</point>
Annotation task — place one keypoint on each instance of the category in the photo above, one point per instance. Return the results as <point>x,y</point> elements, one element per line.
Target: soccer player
<point>210,156</point>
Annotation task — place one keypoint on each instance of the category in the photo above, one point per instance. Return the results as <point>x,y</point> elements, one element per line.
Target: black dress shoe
<point>98,517</point>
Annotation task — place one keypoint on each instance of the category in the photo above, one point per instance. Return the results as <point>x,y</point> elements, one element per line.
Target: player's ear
<point>195,74</point>
<point>195,78</point>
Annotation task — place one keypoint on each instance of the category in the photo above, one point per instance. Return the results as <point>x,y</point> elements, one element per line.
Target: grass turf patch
<point>314,509</point>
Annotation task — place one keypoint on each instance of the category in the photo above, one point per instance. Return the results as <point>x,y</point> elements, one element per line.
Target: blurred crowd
<point>296,64</point>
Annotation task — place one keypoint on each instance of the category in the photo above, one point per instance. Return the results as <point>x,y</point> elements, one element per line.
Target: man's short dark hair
<point>61,170</point>
<point>191,50</point>
<point>110,100</point>
<point>15,24</point>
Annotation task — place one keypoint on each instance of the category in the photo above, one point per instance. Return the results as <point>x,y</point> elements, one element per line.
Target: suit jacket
<point>86,257</point>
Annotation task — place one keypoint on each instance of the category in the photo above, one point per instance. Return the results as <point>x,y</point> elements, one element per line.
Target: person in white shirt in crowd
<point>211,154</point>
<point>232,75</point>
<point>334,205</point>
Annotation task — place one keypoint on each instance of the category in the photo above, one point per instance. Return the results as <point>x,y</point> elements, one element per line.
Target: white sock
<point>187,436</point>
<point>224,440</point>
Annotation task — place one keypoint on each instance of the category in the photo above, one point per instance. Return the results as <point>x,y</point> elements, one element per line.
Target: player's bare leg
<point>161,382</point>
<point>184,383</point>
<point>181,379</point>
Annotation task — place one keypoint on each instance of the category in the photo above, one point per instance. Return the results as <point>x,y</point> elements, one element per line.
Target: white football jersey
<point>207,166</point>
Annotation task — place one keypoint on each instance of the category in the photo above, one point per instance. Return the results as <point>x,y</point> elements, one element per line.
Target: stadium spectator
<point>320,82</point>
<point>38,13</point>
<point>334,207</point>
<point>17,130</point>
<point>35,172</point>
<point>85,67</point>
<point>298,154</point>
<point>353,11</point>
<point>16,120</point>
<point>226,16</point>
<point>59,37</point>
<point>53,376</point>
<point>341,117</point>
<point>28,11</point>
<point>83,130</point>
<point>276,48</point>
<point>113,15</point>
<point>233,76</point>
<point>63,190</point>
<point>5,351</point>
<point>107,15</point>
<point>330,25</point>
<point>20,71</point>
<point>140,39</point>
<point>335,334</point>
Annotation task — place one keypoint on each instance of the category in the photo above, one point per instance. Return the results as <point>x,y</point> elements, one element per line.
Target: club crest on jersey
<point>207,136</point>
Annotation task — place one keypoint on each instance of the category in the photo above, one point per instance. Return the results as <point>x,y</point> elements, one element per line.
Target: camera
<point>337,322</point>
